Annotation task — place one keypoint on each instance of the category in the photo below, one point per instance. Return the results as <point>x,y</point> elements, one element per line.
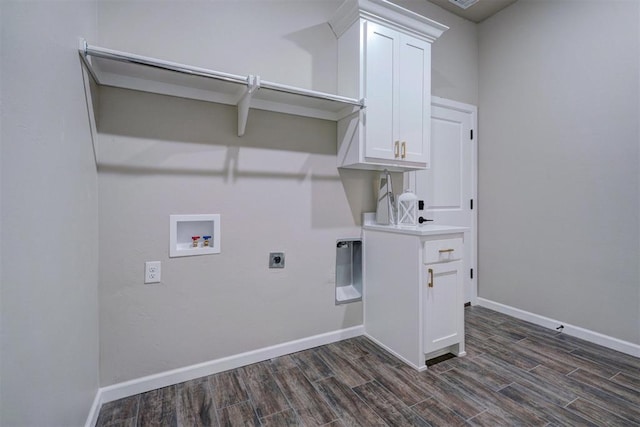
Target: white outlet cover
<point>152,272</point>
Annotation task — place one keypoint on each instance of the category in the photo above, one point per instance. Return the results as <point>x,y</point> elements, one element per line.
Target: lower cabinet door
<point>442,304</point>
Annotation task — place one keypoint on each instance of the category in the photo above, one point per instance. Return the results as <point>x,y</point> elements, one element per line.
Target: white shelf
<point>130,71</point>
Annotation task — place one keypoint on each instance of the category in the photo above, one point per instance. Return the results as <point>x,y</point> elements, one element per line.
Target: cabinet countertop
<point>369,223</point>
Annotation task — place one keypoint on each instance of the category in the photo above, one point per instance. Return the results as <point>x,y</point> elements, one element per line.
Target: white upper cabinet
<point>384,56</point>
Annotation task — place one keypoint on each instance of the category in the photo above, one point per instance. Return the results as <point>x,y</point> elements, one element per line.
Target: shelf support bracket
<point>253,84</point>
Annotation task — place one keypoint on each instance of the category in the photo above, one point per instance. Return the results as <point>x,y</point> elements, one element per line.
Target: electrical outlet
<point>152,272</point>
<point>276,260</point>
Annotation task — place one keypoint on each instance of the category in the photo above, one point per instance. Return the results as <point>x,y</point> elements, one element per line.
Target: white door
<point>448,188</point>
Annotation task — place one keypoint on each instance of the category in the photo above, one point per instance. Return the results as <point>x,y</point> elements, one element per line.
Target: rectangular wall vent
<point>464,4</point>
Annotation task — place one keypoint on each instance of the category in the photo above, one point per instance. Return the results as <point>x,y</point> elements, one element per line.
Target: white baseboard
<point>575,331</point>
<point>92,419</point>
<point>175,376</point>
<point>399,356</point>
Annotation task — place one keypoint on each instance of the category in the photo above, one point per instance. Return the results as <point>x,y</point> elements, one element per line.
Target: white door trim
<point>410,181</point>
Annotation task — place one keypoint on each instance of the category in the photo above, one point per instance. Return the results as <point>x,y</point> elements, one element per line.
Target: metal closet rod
<point>100,52</point>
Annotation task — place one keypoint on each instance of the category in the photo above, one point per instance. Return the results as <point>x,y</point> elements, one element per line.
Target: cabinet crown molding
<point>388,14</point>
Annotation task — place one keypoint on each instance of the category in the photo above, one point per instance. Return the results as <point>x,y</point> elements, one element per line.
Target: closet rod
<point>279,87</point>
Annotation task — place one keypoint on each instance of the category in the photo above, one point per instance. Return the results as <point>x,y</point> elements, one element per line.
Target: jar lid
<point>407,196</point>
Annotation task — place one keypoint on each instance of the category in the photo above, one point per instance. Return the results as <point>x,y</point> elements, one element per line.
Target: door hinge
<point>471,204</point>
<point>471,273</point>
<point>471,132</point>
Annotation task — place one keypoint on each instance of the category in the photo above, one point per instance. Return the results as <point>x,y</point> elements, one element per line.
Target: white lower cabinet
<point>413,292</point>
<point>443,326</point>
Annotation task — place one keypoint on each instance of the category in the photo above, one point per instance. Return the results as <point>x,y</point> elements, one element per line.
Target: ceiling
<point>477,12</point>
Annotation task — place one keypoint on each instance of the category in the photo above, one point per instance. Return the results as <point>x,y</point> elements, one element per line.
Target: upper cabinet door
<point>381,56</point>
<point>414,105</point>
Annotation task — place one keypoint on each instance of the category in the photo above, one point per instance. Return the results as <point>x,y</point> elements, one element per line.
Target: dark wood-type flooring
<point>515,374</point>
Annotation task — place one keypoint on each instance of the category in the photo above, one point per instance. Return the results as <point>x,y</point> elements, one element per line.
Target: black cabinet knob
<point>421,220</point>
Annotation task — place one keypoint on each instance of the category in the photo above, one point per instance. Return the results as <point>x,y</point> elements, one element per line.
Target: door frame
<point>410,179</point>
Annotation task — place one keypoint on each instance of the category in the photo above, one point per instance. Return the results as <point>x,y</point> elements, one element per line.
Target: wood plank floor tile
<point>593,394</point>
<point>627,381</point>
<point>352,373</point>
<point>533,357</point>
<point>553,339</point>
<point>480,325</point>
<point>489,418</point>
<point>546,336</point>
<point>255,372</point>
<point>391,409</point>
<point>552,392</point>
<point>347,405</point>
<point>372,349</point>
<point>473,346</point>
<point>305,399</point>
<point>129,422</point>
<point>625,393</point>
<point>622,362</point>
<point>349,349</point>
<point>396,380</point>
<point>498,403</point>
<point>490,317</point>
<point>437,414</point>
<point>597,414</point>
<point>504,332</point>
<point>286,418</point>
<point>283,363</point>
<point>525,328</point>
<point>158,408</point>
<point>579,343</point>
<point>195,404</point>
<point>442,391</point>
<point>557,415</point>
<point>266,396</point>
<point>336,423</point>
<point>491,378</point>
<point>544,350</point>
<point>503,350</point>
<point>241,414</point>
<point>119,412</point>
<point>228,389</point>
<point>471,332</point>
<point>312,365</point>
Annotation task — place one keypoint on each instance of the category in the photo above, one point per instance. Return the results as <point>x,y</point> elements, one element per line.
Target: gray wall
<point>49,219</point>
<point>277,188</point>
<point>454,62</point>
<point>559,170</point>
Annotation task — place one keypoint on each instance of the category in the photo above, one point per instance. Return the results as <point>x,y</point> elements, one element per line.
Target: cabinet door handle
<point>444,251</point>
<point>430,284</point>
<point>404,149</point>
<point>396,149</point>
